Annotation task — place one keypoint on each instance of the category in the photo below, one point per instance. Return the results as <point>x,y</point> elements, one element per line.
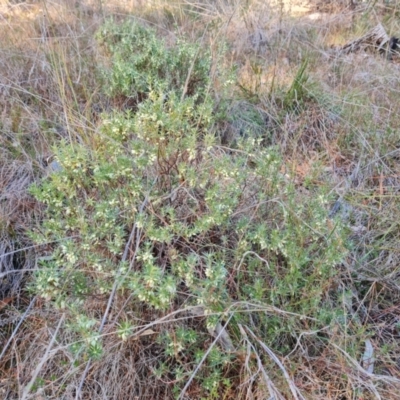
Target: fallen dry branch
<point>376,39</point>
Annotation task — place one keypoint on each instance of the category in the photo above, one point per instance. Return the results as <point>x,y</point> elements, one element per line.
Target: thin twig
<point>295,392</point>
<point>17,327</point>
<point>28,387</point>
<point>203,359</point>
<point>185,88</point>
<point>273,391</point>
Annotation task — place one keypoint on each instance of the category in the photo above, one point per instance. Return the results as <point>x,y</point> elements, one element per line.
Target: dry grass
<point>345,136</point>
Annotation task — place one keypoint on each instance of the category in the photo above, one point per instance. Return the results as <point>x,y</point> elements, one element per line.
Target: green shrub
<point>224,231</point>
<point>142,62</point>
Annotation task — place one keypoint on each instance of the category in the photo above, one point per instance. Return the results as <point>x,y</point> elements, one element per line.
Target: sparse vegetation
<point>198,201</point>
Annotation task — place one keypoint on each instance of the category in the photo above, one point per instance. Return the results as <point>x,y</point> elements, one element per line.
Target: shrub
<point>141,62</point>
<point>159,214</point>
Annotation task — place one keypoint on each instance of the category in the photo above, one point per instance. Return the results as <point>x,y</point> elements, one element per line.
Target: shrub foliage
<point>156,212</point>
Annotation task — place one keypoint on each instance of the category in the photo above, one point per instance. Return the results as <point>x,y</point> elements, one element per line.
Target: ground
<point>302,149</point>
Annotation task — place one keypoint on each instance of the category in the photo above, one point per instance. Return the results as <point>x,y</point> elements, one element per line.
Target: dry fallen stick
<point>377,39</point>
